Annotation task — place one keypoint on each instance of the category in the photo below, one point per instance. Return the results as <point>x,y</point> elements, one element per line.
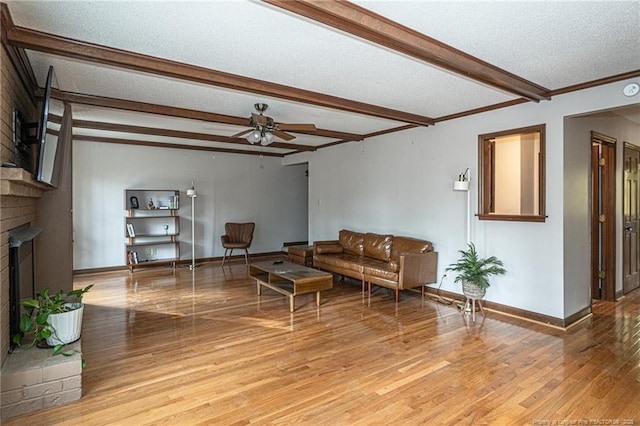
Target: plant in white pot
<point>474,272</point>
<point>52,319</point>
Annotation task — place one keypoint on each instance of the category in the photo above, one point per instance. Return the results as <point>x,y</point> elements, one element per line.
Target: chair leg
<point>397,295</point>
<point>246,256</point>
<point>225,255</point>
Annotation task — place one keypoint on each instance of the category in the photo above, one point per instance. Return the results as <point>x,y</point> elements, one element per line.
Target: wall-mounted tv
<point>50,151</point>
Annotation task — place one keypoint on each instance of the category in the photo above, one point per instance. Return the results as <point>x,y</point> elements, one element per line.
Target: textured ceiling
<point>552,44</point>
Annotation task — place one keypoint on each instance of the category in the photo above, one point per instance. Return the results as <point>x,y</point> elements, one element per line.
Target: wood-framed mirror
<point>512,175</point>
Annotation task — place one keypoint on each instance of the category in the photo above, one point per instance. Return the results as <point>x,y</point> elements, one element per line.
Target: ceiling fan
<point>264,128</point>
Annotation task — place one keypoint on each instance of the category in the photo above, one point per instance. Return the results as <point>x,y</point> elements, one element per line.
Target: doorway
<point>603,186</point>
<point>631,219</point>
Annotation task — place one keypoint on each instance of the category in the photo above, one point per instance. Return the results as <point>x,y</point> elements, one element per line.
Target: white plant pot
<point>67,325</point>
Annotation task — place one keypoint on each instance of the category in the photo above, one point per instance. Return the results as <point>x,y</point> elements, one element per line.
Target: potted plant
<point>474,272</point>
<point>52,320</point>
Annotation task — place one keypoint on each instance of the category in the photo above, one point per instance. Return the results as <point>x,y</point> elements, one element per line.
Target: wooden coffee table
<point>290,279</point>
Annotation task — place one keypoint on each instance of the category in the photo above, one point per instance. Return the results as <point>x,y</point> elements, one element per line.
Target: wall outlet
<point>150,250</point>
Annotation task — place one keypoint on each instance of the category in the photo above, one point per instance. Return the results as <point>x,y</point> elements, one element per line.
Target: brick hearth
<point>34,379</point>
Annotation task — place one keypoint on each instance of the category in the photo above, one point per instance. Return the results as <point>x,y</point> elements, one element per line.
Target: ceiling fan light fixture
<point>266,139</point>
<point>254,137</point>
<point>264,129</point>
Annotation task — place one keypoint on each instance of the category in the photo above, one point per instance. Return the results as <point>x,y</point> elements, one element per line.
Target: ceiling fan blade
<point>297,127</point>
<point>259,119</point>
<point>283,135</point>
<point>242,133</point>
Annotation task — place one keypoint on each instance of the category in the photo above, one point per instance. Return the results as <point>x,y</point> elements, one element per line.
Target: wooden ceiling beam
<point>56,45</point>
<point>103,102</point>
<point>17,56</point>
<point>372,134</point>
<point>172,145</point>
<point>595,83</point>
<point>334,134</point>
<point>152,131</point>
<point>123,104</point>
<point>375,28</point>
<point>555,92</point>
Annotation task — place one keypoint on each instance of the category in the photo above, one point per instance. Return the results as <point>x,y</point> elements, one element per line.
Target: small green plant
<point>475,270</point>
<point>34,322</point>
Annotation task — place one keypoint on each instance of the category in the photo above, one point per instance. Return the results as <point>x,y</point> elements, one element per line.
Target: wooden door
<point>631,242</point>
<point>603,250</point>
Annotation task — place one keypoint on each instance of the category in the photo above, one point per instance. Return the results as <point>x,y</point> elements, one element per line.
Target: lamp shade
<point>461,185</point>
<point>191,192</point>
<point>266,139</point>
<point>254,137</point>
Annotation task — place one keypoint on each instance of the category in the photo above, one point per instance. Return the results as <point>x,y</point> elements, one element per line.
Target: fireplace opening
<point>21,273</point>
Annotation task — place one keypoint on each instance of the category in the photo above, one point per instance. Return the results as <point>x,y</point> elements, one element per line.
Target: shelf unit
<point>151,227</point>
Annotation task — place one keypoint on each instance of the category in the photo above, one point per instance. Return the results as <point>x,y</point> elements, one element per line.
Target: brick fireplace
<point>18,197</point>
<point>31,379</point>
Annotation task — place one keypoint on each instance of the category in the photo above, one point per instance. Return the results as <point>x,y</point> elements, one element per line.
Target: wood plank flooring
<point>179,347</point>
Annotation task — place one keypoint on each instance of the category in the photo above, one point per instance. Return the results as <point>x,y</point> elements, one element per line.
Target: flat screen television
<point>50,151</point>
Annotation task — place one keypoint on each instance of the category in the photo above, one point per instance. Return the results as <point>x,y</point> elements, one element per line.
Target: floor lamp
<point>462,184</point>
<point>191,193</point>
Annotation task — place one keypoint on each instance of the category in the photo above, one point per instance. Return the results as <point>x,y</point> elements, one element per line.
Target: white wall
<point>230,188</point>
<point>578,185</point>
<point>401,183</point>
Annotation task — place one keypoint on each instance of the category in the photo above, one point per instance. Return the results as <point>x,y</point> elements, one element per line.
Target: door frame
<point>603,214</point>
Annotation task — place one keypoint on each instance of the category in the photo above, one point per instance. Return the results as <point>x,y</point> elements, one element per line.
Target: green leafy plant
<point>34,322</point>
<point>475,270</point>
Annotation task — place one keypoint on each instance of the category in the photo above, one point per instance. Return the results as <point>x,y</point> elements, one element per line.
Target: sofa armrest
<point>325,247</point>
<point>417,269</point>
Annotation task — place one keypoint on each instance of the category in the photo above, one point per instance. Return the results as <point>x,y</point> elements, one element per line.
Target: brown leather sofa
<point>394,262</point>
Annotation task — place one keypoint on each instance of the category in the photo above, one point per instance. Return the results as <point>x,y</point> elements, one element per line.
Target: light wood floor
<point>176,348</point>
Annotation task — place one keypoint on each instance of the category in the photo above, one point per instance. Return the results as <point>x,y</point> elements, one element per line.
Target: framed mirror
<point>512,175</point>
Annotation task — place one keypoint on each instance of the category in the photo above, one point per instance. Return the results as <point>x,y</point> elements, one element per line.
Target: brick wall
<point>14,211</point>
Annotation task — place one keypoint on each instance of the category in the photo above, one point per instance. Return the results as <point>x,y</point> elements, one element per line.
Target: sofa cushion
<point>377,246</point>
<point>348,261</point>
<point>378,268</point>
<point>370,272</point>
<point>408,245</point>
<point>351,242</point>
<point>329,249</point>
